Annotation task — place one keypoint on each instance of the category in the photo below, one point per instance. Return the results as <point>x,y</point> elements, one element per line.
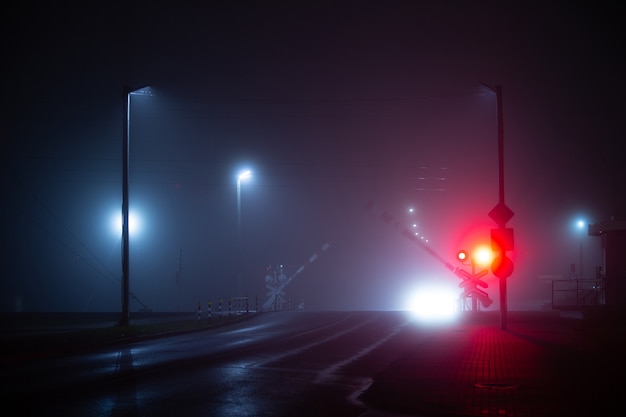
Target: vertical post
<point>503,304</point>
<point>581,260</point>
<point>502,281</point>
<point>474,299</point>
<point>179,278</point>
<point>125,319</point>
<point>500,144</point>
<point>238,234</point>
<point>243,175</point>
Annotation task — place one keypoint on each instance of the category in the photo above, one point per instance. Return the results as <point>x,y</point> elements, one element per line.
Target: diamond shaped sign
<point>501,214</point>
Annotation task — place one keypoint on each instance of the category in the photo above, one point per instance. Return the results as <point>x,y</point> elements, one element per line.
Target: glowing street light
<point>134,224</point>
<point>242,176</point>
<point>128,93</point>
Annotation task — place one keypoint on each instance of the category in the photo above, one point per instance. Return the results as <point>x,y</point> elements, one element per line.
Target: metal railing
<point>577,294</point>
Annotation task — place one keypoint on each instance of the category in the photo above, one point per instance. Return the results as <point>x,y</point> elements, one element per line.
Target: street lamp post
<point>242,176</point>
<point>581,225</point>
<point>128,92</point>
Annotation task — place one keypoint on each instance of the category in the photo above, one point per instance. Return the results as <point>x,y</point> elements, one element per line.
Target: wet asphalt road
<point>272,364</point>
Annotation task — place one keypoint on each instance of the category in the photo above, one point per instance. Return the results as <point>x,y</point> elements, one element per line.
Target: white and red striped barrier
<point>276,287</point>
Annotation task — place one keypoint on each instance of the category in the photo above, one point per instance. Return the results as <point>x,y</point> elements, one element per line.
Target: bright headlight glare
<point>434,304</point>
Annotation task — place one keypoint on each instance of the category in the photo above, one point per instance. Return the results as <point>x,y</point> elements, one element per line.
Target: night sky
<point>332,105</point>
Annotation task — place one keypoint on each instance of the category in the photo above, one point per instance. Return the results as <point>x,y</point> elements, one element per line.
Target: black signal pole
<point>502,237</point>
<point>502,280</point>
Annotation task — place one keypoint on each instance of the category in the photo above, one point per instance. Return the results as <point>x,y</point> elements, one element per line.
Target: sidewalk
<point>542,365</point>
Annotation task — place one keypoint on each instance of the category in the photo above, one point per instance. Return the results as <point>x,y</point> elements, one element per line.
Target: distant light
<point>434,304</point>
<point>580,224</point>
<point>483,255</point>
<point>144,91</point>
<point>245,175</point>
<point>134,223</point>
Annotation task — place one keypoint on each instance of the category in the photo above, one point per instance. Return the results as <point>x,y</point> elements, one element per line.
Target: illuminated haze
<point>331,107</point>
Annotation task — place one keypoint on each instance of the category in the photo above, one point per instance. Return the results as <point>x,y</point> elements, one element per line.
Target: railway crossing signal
<point>470,281</point>
<point>276,284</point>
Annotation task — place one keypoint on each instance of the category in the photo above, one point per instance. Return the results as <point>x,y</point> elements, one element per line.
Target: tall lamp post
<point>580,225</point>
<point>128,92</point>
<point>242,176</point>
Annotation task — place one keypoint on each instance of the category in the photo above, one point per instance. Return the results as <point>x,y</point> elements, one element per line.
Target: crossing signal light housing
<point>502,266</point>
<point>502,240</point>
<point>462,256</point>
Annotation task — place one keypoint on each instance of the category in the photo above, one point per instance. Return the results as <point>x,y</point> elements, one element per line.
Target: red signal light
<point>482,255</point>
<point>502,266</point>
<point>502,239</point>
<point>462,256</point>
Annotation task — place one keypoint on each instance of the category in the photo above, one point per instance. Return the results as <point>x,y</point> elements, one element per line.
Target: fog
<point>341,112</point>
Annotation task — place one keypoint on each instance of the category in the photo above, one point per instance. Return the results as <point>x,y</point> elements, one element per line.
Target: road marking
<point>298,350</point>
<point>328,375</point>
